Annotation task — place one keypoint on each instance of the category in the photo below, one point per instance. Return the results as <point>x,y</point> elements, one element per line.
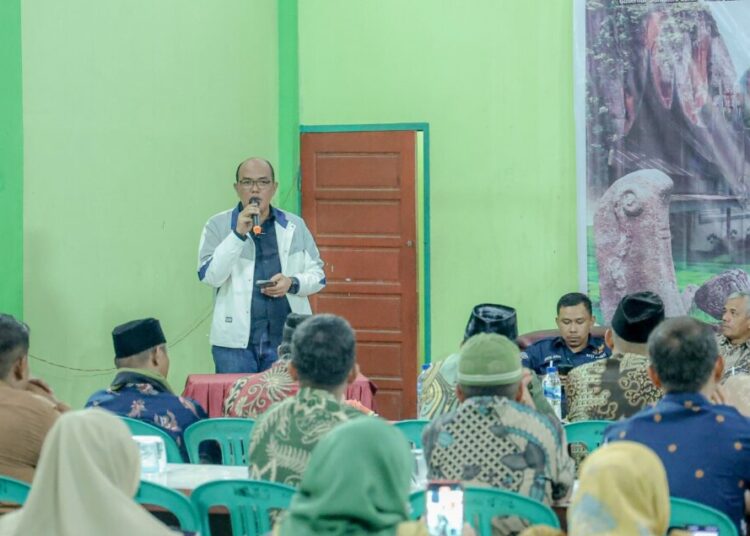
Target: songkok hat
<point>637,315</point>
<point>137,336</point>
<point>492,318</point>
<point>489,359</point>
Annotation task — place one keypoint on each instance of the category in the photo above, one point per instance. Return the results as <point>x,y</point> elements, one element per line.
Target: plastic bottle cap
<point>551,368</point>
<point>426,366</point>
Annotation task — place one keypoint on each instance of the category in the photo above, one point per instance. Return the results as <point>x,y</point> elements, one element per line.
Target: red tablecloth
<point>210,390</point>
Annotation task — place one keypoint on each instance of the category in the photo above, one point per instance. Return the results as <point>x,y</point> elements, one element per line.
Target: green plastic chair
<point>482,504</point>
<point>590,433</point>
<point>143,428</point>
<point>249,503</point>
<point>233,435</point>
<point>412,429</point>
<point>174,501</point>
<point>13,491</point>
<point>684,512</point>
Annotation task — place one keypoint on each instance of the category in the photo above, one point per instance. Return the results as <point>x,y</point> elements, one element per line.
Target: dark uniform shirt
<point>267,314</point>
<point>539,355</point>
<point>705,449</point>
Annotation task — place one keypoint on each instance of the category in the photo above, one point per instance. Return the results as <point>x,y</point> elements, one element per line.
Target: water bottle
<point>552,387</point>
<point>420,381</point>
<point>153,453</point>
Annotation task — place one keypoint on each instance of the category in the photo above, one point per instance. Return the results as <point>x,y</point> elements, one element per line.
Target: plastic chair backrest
<point>143,428</point>
<point>482,504</point>
<point>233,435</point>
<point>174,501</point>
<point>590,433</point>
<point>684,512</point>
<point>248,501</point>
<point>412,429</point>
<point>13,491</point>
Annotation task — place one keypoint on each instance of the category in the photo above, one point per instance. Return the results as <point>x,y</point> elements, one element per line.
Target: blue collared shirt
<point>704,447</point>
<point>539,355</point>
<point>267,314</point>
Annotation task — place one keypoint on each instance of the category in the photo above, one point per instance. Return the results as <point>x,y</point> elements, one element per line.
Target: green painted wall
<point>11,160</point>
<point>136,115</point>
<point>493,78</point>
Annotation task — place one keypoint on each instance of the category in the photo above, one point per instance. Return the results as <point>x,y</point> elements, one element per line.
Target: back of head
<point>290,326</point>
<point>492,318</point>
<point>489,365</point>
<point>134,340</point>
<point>571,299</point>
<point>636,316</point>
<point>14,343</point>
<point>683,353</point>
<point>88,473</point>
<point>623,487</point>
<point>331,501</point>
<point>323,351</point>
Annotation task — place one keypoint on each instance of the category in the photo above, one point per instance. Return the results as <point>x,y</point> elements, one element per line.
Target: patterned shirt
<point>705,449</point>
<point>146,396</point>
<point>252,395</point>
<point>497,442</point>
<point>283,438</point>
<point>610,389</point>
<point>554,350</point>
<point>736,357</point>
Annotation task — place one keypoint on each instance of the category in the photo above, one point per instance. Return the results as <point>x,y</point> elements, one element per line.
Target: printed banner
<point>663,151</point>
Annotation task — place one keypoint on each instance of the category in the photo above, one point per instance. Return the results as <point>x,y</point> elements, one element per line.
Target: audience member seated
<point>622,490</point>
<point>439,386</point>
<point>734,347</point>
<point>140,389</point>
<point>492,439</point>
<point>89,472</point>
<point>704,447</point>
<point>370,497</point>
<point>619,386</point>
<point>323,361</point>
<point>575,346</point>
<point>254,394</point>
<point>27,407</point>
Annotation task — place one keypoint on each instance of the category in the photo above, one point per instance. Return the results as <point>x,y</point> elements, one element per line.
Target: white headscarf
<point>88,473</point>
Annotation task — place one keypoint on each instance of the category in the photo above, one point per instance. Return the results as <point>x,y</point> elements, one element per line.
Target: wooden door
<point>359,200</point>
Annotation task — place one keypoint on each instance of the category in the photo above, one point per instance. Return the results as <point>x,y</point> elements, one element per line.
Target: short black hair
<point>14,342</point>
<point>683,352</point>
<point>237,172</point>
<point>571,299</point>
<point>323,350</point>
<point>503,391</point>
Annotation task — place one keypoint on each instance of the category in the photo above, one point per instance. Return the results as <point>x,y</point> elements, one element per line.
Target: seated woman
<point>88,474</point>
<point>356,482</point>
<point>622,491</point>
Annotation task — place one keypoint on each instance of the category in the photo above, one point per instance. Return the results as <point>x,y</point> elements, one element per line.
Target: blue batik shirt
<point>539,355</point>
<point>704,447</point>
<point>267,314</point>
<point>146,396</point>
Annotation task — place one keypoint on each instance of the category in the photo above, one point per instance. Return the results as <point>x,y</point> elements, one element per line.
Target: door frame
<point>424,328</point>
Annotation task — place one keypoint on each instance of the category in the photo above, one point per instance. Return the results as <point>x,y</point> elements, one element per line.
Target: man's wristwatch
<point>294,287</point>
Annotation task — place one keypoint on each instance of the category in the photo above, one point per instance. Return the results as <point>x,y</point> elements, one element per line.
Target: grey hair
<point>741,294</point>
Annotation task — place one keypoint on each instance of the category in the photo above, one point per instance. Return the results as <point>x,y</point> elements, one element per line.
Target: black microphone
<point>255,201</point>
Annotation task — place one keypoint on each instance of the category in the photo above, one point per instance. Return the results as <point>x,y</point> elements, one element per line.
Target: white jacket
<point>227,263</point>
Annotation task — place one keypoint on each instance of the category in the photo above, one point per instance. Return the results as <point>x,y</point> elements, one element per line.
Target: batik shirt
<point>497,442</point>
<point>283,438</point>
<point>542,353</point>
<point>610,389</point>
<point>146,396</point>
<point>736,357</point>
<point>252,395</point>
<point>705,449</point>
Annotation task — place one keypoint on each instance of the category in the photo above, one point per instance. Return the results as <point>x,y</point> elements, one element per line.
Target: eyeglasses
<point>262,184</point>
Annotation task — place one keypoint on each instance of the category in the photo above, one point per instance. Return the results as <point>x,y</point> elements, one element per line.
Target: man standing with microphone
<point>264,263</point>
